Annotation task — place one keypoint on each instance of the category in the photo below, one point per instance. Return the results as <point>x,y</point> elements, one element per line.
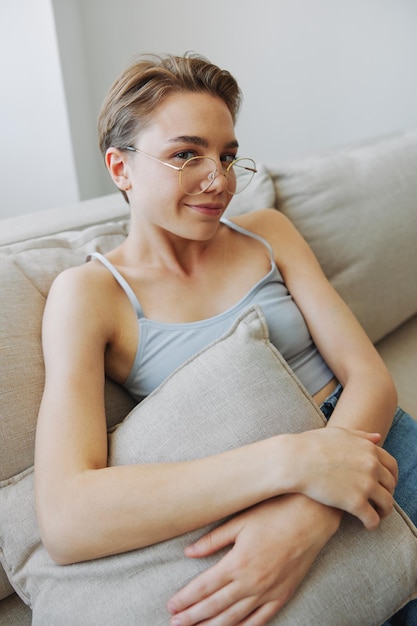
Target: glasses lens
<point>240,175</point>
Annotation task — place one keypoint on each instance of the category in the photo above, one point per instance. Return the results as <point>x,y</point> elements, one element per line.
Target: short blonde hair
<point>141,88</point>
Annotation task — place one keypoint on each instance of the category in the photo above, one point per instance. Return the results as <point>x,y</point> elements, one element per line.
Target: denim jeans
<point>401,443</point>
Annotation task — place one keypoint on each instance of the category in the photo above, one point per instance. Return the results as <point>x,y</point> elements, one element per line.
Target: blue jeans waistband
<point>328,406</point>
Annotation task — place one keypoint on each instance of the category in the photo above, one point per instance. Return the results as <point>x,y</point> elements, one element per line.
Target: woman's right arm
<point>88,510</point>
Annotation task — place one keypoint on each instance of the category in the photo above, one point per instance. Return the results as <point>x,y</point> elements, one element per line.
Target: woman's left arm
<point>369,397</point>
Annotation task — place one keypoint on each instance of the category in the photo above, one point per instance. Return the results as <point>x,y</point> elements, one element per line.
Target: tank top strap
<point>120,279</point>
<point>249,233</point>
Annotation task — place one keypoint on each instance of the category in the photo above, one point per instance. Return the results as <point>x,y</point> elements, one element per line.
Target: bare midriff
<point>321,395</point>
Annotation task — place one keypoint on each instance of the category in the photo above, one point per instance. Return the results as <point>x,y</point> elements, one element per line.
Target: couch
<point>355,205</point>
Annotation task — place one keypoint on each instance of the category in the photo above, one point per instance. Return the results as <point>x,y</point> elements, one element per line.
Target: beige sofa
<point>356,206</point>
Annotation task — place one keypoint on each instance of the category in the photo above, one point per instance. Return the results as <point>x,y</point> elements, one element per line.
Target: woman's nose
<point>217,178</point>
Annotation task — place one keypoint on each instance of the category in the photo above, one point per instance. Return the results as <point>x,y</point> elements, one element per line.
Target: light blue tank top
<point>163,347</point>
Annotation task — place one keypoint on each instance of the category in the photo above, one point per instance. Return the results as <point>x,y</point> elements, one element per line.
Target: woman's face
<point>186,124</point>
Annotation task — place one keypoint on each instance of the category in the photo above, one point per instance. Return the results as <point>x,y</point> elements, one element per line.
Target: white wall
<point>36,161</point>
<point>73,37</point>
<point>315,73</point>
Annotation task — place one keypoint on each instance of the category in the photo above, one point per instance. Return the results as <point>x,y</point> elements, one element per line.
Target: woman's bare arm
<point>87,510</point>
<point>369,397</point>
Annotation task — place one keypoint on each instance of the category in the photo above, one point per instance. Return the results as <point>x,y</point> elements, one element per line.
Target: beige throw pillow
<point>234,392</point>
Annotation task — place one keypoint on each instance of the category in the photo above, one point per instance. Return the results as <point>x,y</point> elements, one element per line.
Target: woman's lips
<point>210,209</point>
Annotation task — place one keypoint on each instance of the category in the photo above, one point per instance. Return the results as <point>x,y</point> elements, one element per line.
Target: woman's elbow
<point>57,535</point>
<point>62,525</point>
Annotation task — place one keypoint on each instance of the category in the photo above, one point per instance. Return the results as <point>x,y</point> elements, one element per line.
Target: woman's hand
<point>346,469</point>
<point>275,544</point>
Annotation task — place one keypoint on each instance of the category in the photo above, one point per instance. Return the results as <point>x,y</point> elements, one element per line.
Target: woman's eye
<point>228,158</point>
<point>185,155</point>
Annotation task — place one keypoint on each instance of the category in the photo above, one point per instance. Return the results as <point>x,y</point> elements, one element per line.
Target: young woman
<point>167,135</point>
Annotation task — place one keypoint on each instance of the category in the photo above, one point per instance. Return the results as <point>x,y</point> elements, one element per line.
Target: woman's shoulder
<point>259,218</point>
<point>268,223</point>
<point>286,241</point>
<point>83,279</point>
<point>82,292</point>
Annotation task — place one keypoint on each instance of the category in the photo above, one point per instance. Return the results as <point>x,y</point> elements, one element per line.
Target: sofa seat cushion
<point>237,390</point>
<point>13,612</point>
<point>357,208</point>
<point>6,589</point>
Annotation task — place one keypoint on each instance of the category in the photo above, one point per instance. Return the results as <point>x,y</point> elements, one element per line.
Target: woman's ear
<point>118,165</point>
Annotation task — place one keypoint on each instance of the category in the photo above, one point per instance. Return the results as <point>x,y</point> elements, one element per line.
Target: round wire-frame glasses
<point>198,173</point>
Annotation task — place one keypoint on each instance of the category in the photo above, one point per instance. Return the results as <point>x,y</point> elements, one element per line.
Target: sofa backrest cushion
<point>357,208</point>
<point>26,272</point>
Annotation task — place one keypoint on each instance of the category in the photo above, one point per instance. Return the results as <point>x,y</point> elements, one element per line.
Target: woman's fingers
<point>346,469</point>
<point>202,596</point>
<point>212,542</point>
<point>390,463</point>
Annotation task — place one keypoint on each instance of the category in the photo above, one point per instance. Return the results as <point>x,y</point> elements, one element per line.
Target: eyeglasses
<point>198,173</point>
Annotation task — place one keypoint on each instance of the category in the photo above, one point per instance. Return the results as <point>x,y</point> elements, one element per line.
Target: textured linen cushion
<point>357,208</point>
<point>26,272</point>
<point>236,391</point>
<point>27,269</point>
